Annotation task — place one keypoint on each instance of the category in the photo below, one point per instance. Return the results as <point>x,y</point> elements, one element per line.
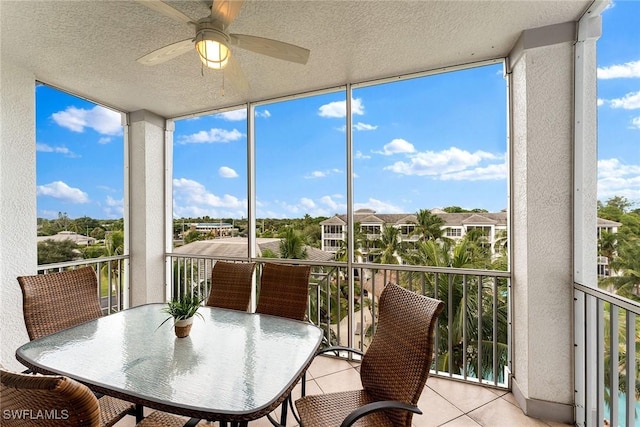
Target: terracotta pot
<point>183,327</point>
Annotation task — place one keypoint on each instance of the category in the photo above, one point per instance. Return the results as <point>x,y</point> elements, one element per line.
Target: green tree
<point>608,244</point>
<point>626,264</point>
<point>51,251</point>
<point>429,226</point>
<point>193,236</point>
<point>292,245</point>
<point>614,208</point>
<point>388,248</point>
<point>98,233</point>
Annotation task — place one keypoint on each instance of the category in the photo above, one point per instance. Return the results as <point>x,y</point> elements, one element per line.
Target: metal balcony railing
<point>112,275</point>
<point>607,363</point>
<point>472,337</point>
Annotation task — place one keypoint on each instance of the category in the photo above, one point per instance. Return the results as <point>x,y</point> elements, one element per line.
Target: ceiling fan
<point>213,42</point>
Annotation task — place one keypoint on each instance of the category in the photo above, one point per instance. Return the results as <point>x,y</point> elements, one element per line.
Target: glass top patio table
<point>234,366</point>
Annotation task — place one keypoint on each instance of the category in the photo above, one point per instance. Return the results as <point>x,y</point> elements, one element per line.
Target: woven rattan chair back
<point>46,400</point>
<point>284,290</point>
<point>56,301</point>
<point>231,285</point>
<point>397,362</point>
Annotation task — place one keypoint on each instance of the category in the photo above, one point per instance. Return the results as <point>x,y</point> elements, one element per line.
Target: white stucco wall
<point>542,84</point>
<point>18,248</point>
<point>147,208</point>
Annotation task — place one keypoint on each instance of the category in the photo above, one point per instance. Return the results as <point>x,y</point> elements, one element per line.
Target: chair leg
<point>283,412</point>
<point>139,410</point>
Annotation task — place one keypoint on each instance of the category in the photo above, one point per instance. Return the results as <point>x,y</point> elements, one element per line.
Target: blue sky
<point>422,143</point>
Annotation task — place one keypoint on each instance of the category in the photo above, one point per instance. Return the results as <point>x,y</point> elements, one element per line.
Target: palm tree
<point>292,245</point>
<point>608,245</point>
<point>627,266</point>
<point>429,226</point>
<point>388,247</point>
<point>359,242</point>
<point>454,288</point>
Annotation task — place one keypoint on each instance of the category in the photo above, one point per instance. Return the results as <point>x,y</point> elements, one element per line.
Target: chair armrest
<point>337,348</point>
<point>377,406</point>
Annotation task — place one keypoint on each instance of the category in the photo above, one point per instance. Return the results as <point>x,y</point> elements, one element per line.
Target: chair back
<point>284,290</point>
<point>231,285</point>
<point>46,400</point>
<point>397,362</point>
<point>56,301</point>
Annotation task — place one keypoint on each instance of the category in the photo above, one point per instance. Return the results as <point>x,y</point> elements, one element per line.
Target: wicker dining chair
<point>231,284</point>
<point>55,400</point>
<point>56,301</point>
<point>284,290</point>
<point>393,372</point>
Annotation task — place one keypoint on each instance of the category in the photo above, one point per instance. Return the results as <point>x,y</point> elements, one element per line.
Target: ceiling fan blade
<point>269,47</point>
<point>166,53</point>
<point>226,10</point>
<point>166,10</point>
<point>236,77</point>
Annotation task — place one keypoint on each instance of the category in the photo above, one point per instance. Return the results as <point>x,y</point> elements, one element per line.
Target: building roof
<point>237,247</point>
<point>608,223</point>
<point>69,235</point>
<point>450,219</point>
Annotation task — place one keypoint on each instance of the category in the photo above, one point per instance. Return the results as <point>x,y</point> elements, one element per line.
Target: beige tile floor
<point>443,402</point>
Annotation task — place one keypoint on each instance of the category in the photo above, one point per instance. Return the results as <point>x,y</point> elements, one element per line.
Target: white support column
<point>585,232</point>
<point>147,207</point>
<point>18,214</point>
<point>542,188</point>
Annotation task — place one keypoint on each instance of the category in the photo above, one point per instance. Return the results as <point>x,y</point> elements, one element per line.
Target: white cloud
<point>104,140</point>
<point>227,172</point>
<point>359,155</point>
<point>60,190</point>
<point>234,116</point>
<point>330,203</point>
<point>338,109</point>
<point>316,174</point>
<point>635,123</point>
<point>491,172</point>
<point>379,206</point>
<point>307,203</point>
<point>115,208</point>
<point>600,102</point>
<point>621,71</point>
<point>44,148</point>
<point>630,101</point>
<point>397,146</point>
<point>322,174</point>
<point>364,126</point>
<point>618,179</point>
<point>191,199</point>
<point>241,114</point>
<point>213,135</point>
<point>100,119</point>
<point>430,163</point>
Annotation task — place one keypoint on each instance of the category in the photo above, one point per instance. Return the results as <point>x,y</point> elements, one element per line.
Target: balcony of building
<point>556,325</point>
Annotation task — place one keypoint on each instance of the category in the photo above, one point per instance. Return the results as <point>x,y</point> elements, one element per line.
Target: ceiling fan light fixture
<point>212,47</point>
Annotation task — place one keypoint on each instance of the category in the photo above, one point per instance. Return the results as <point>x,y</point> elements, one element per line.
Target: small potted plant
<point>182,310</point>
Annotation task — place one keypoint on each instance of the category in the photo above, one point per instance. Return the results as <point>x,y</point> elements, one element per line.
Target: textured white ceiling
<point>90,47</point>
